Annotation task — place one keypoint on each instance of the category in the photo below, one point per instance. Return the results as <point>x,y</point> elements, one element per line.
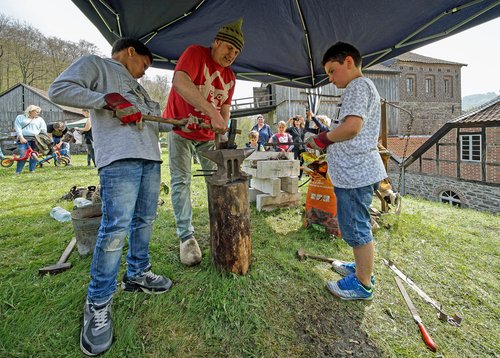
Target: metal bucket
<point>86,221</point>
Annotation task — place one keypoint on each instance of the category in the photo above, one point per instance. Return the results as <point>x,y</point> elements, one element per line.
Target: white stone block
<point>252,195</point>
<point>290,184</point>
<point>266,202</point>
<point>268,155</point>
<point>274,169</point>
<point>271,186</point>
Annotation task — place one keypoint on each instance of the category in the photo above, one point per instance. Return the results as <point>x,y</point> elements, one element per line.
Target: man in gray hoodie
<point>128,159</point>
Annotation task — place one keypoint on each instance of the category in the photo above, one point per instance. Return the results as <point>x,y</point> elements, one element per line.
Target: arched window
<point>450,197</point>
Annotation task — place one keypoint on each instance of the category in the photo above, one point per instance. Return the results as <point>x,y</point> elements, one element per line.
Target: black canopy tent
<point>285,39</point>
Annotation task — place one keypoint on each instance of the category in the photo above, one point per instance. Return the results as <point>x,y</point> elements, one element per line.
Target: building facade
<point>429,88</point>
<point>459,164</point>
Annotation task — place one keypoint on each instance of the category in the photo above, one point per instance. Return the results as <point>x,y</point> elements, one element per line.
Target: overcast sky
<point>475,47</point>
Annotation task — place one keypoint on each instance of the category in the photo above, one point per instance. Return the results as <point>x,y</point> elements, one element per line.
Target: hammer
<point>301,254</point>
<point>61,265</point>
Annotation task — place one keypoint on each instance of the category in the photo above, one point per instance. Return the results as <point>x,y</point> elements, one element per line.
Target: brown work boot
<point>190,252</point>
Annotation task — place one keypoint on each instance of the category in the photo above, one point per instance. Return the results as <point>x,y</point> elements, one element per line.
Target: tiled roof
<point>415,57</point>
<point>380,67</point>
<point>486,113</point>
<point>396,145</point>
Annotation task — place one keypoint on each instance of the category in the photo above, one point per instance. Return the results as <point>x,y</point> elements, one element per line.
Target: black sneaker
<point>97,329</point>
<point>147,282</point>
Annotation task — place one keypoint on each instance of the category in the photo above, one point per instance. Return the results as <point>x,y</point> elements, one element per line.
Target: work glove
<point>319,142</point>
<point>124,110</point>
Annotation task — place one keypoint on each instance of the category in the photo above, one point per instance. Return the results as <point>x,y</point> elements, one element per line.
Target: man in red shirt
<point>202,87</point>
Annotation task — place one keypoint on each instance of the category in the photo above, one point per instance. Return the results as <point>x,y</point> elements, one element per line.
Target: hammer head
<point>301,254</point>
<point>54,269</point>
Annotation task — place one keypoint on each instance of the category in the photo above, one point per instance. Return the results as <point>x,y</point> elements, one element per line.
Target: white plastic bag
<point>78,137</point>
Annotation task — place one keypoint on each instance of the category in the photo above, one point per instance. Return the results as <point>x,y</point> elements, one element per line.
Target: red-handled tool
<point>425,335</point>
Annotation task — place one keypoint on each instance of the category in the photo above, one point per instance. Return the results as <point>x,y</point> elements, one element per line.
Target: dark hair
<point>127,42</point>
<point>340,51</point>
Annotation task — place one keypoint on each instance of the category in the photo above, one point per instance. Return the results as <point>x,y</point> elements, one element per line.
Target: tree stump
<point>230,240</point>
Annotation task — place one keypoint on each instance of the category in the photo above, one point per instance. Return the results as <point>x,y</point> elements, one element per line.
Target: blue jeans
<point>64,150</point>
<point>353,214</point>
<point>129,193</point>
<point>23,147</point>
<point>180,155</point>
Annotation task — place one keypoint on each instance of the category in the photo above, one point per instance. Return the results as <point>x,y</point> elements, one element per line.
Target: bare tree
<point>4,22</point>
<point>28,55</point>
<point>158,88</point>
<point>31,58</point>
<point>62,53</point>
<point>4,67</point>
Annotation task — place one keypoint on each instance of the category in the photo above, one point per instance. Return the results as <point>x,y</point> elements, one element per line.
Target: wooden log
<point>230,240</point>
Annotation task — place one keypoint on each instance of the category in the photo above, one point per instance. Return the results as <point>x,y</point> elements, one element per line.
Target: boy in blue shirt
<point>355,167</point>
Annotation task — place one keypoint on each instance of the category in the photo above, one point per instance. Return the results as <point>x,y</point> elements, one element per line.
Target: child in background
<point>282,137</point>
<point>253,138</point>
<point>355,167</point>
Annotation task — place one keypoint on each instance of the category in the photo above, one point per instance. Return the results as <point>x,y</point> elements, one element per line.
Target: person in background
<point>87,137</point>
<point>57,131</point>
<point>355,167</point>
<point>27,126</point>
<point>128,159</point>
<point>314,126</point>
<point>253,141</point>
<point>282,137</point>
<point>202,87</point>
<point>265,132</point>
<point>319,122</point>
<point>295,127</point>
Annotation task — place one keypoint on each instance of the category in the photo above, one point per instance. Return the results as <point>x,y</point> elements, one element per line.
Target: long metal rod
<point>456,320</point>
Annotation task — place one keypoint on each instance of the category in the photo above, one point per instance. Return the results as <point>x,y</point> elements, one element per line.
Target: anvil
<point>228,164</point>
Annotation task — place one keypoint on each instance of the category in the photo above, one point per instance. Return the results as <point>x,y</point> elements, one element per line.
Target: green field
<point>279,309</point>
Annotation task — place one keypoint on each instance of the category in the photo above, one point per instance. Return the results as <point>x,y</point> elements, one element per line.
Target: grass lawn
<point>279,309</point>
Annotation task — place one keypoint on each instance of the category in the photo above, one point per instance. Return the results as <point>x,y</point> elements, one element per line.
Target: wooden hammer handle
<point>320,258</point>
<point>178,122</point>
<point>175,122</point>
<point>67,251</point>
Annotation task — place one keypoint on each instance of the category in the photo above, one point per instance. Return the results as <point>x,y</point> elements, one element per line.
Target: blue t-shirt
<point>265,133</point>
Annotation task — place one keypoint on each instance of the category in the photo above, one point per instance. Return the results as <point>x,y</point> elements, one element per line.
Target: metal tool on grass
<point>416,317</point>
<point>302,255</point>
<point>61,265</point>
<point>454,320</point>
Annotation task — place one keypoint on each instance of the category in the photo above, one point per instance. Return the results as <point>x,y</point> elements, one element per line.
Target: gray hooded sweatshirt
<point>84,84</point>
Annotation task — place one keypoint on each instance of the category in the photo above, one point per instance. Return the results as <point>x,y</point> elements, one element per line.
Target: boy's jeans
<point>129,193</point>
<point>180,156</point>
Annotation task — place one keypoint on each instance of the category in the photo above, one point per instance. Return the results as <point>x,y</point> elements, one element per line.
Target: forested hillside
<point>475,100</point>
<point>29,57</point>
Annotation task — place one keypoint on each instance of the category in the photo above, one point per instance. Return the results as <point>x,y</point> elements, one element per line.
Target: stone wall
<point>474,195</point>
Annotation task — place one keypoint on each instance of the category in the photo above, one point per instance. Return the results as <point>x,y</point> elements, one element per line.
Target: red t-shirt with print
<point>216,84</point>
<point>282,138</point>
